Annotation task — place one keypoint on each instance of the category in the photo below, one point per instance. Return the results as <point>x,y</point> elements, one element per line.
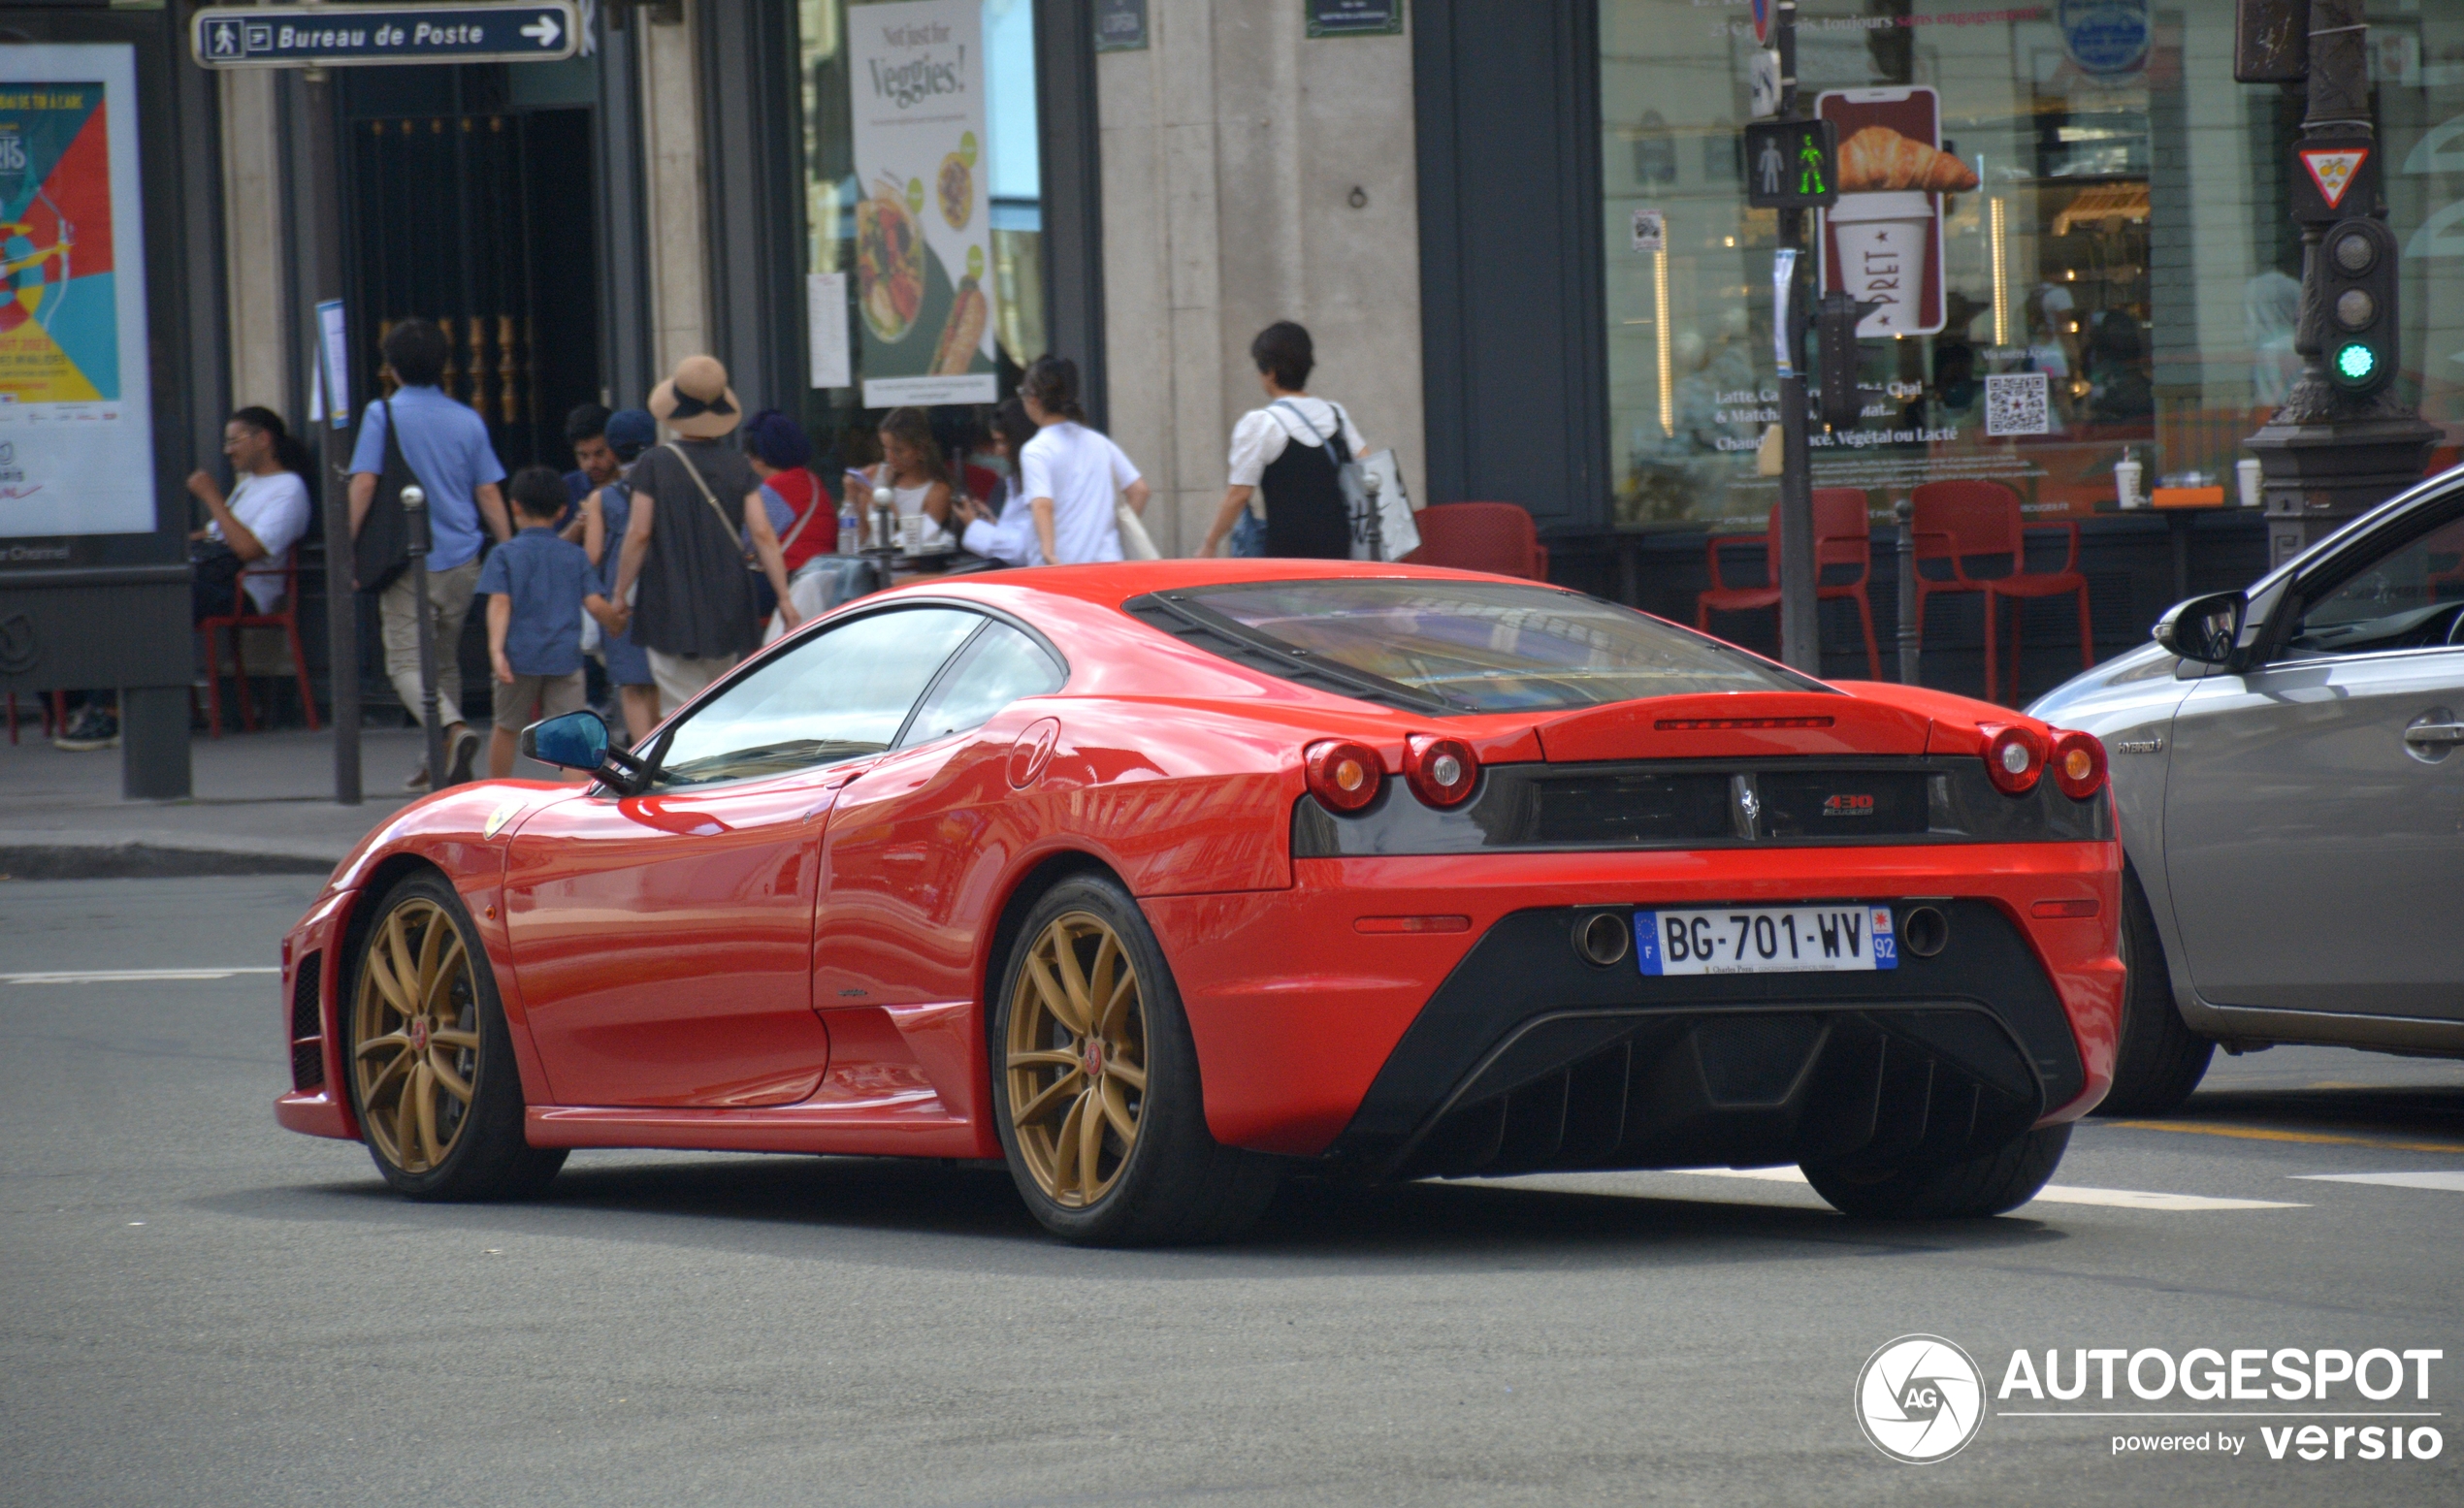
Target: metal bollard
<point>1370,485</point>
<point>1911,624</point>
<point>415,527</point>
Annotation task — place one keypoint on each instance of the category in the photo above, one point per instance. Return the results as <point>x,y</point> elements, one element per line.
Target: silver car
<point>2285,763</point>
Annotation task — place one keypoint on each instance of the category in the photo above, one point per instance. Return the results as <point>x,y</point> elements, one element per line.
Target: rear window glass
<point>1486,646</point>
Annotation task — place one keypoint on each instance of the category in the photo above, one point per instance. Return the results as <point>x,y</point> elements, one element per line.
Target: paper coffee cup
<point>2125,484</point>
<point>2247,474</point>
<point>1882,240</point>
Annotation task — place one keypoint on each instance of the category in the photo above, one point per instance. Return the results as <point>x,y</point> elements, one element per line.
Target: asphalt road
<point>197,1307</point>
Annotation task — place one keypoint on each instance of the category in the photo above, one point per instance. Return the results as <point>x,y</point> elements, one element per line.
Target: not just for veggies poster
<point>924,284</point>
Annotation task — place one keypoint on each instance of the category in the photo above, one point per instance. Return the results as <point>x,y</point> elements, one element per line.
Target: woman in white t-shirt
<point>247,544</point>
<point>1290,450</point>
<point>1074,477</point>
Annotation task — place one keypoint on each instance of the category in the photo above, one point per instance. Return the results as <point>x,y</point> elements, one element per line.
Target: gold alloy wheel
<point>1077,1059</point>
<point>416,1027</point>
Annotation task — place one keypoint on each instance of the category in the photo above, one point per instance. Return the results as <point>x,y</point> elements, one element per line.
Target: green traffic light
<point>2355,362</point>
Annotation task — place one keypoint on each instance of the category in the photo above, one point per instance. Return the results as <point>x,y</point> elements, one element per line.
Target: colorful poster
<point>76,453</point>
<point>924,287</point>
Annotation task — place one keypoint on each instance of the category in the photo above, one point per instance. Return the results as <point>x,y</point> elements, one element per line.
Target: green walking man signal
<point>1791,164</point>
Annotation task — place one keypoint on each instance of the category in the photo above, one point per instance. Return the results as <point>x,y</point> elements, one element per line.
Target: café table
<point>2181,508</point>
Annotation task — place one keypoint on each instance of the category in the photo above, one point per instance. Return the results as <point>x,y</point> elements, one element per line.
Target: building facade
<point>1518,229</point>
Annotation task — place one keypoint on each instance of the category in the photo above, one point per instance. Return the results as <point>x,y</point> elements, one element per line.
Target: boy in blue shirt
<point>537,587</point>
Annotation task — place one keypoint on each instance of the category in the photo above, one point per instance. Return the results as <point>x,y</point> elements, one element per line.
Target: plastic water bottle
<point>848,524</point>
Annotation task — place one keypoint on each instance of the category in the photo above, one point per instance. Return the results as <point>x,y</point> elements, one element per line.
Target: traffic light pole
<point>1800,632</point>
<point>2330,454</point>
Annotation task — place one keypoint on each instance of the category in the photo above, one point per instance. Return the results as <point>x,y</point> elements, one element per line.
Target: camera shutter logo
<point>1920,1398</point>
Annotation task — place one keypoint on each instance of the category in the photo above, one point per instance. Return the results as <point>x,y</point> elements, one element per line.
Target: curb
<point>146,861</point>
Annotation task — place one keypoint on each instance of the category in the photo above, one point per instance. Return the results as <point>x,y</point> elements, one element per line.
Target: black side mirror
<point>579,741</point>
<point>2204,629</point>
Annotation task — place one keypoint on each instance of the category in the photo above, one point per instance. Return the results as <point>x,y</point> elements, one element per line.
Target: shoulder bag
<point>381,549</point>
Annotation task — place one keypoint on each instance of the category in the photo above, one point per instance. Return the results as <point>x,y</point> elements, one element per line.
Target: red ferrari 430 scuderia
<point>1162,880</point>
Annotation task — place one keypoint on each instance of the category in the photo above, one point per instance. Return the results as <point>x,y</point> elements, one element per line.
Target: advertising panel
<point>923,213</point>
<point>1882,240</point>
<point>75,428</point>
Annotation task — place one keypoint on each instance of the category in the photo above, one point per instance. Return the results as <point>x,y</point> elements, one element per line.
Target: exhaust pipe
<point>1925,931</point>
<point>1604,938</point>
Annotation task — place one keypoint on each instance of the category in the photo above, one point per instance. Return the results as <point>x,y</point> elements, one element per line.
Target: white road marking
<point>2050,1194</point>
<point>2451,1182</point>
<point>132,976</point>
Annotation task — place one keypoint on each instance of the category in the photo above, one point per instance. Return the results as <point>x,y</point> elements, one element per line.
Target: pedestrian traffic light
<point>2359,338</point>
<point>1791,164</point>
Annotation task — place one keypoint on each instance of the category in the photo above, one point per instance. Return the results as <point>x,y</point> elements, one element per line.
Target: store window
<point>923,209</point>
<point>2074,219</point>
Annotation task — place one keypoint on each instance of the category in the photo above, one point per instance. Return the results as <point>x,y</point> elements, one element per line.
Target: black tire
<point>2160,1060</point>
<point>484,1155</point>
<point>1170,1184</point>
<point>2000,1180</point>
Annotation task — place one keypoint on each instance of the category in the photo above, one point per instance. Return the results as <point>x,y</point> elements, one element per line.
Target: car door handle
<point>2435,733</point>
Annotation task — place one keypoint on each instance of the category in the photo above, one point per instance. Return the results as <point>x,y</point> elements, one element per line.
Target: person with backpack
<point>605,513</point>
<point>1292,452</point>
<point>1076,480</point>
<point>421,435</point>
<point>697,506</point>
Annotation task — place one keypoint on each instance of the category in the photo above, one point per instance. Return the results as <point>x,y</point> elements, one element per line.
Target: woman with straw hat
<point>696,511</point>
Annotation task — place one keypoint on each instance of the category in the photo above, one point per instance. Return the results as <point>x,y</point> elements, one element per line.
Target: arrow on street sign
<point>360,36</point>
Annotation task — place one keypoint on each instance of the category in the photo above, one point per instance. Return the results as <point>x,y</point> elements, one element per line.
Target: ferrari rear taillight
<point>2079,764</point>
<point>1344,775</point>
<point>1441,771</point>
<point>2014,757</point>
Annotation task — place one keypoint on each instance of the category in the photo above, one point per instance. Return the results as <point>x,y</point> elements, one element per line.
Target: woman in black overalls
<point>1290,450</point>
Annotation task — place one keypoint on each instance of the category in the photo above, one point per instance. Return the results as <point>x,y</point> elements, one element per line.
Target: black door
<point>478,213</point>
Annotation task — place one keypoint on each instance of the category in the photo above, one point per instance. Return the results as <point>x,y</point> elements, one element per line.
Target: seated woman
<point>912,476</point>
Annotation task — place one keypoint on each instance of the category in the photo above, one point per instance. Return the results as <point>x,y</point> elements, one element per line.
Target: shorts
<point>553,696</point>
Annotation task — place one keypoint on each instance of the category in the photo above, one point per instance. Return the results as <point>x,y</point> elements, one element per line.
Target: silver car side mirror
<point>2204,629</point>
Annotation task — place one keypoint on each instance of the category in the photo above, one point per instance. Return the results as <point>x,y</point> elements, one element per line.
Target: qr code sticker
<point>2016,405</point>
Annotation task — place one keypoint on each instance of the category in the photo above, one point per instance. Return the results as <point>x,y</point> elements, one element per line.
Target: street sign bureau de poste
<point>348,36</point>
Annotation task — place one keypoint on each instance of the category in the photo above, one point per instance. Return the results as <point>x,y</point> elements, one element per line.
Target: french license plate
<point>1767,939</point>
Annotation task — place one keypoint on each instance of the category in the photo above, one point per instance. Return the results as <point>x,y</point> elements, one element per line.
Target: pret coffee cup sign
<point>1882,240</point>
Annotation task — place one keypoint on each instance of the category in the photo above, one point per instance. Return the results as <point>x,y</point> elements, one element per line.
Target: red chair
<point>1481,536</point>
<point>53,706</point>
<point>1843,535</point>
<point>1960,521</point>
<point>285,616</point>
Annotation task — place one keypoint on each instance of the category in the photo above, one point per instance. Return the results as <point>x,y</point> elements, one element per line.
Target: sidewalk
<point>264,804</point>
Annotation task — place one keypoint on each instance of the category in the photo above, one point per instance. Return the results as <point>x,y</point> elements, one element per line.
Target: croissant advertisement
<point>1882,240</point>
<point>923,216</point>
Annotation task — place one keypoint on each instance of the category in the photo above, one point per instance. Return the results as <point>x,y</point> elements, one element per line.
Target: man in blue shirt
<point>445,445</point>
<point>538,585</point>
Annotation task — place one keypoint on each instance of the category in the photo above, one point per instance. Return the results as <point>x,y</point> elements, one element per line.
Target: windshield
<point>1488,646</point>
